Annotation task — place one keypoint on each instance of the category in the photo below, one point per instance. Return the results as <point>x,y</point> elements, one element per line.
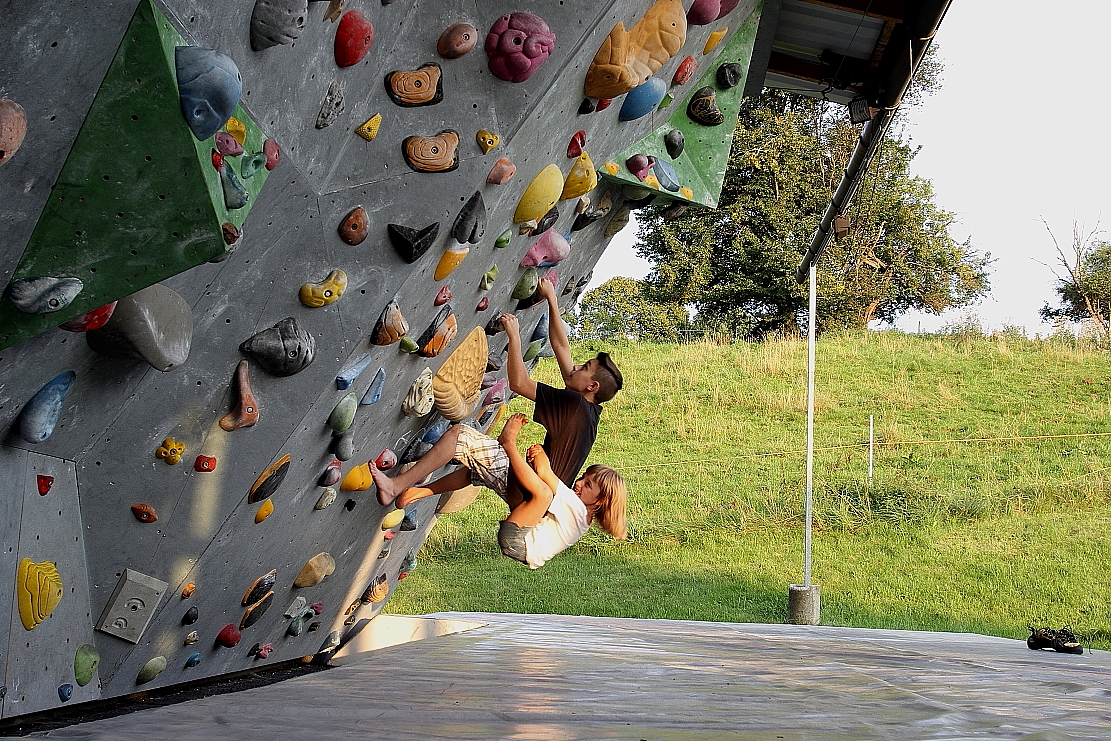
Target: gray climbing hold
<point>151,669</point>
<point>209,86</point>
<point>331,107</point>
<point>282,350</point>
<point>235,195</point>
<point>730,75</point>
<point>154,324</point>
<point>40,414</point>
<point>43,295</point>
<point>276,22</point>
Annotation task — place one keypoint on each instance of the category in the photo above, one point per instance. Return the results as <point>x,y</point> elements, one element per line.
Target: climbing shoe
<point>1065,642</point>
<point>1039,638</point>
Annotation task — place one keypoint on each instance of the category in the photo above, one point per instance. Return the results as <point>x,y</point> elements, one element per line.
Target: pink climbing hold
<point>354,35</point>
<point>273,154</point>
<point>708,11</point>
<point>639,165</point>
<point>496,394</point>
<point>442,296</point>
<point>518,43</point>
<point>575,146</point>
<point>228,145</point>
<point>264,650</point>
<point>550,249</point>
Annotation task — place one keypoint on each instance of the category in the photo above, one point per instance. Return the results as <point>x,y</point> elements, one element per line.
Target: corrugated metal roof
<point>806,29</point>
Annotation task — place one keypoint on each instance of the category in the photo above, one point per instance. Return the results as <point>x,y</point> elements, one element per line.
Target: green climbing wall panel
<point>138,199</point>
<point>701,166</point>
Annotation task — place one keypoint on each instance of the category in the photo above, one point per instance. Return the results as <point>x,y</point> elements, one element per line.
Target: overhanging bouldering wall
<point>275,231</point>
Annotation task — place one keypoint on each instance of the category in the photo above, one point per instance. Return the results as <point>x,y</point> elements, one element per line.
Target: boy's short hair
<point>608,377</point>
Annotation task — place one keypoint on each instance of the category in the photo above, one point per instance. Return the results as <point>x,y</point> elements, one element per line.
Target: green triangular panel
<point>138,199</point>
<point>701,167</point>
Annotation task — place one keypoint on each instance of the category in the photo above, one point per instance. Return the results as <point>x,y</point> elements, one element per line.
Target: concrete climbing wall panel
<point>272,475</point>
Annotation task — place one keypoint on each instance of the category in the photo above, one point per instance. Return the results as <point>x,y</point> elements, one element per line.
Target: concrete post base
<point>804,604</point>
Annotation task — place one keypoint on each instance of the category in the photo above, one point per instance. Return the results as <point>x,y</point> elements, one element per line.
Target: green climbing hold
<point>344,413</point>
<point>151,669</point>
<point>408,344</point>
<point>85,662</point>
<point>504,238</point>
<point>527,284</point>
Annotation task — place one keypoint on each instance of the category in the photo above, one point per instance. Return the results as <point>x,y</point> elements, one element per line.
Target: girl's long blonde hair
<point>610,511</point>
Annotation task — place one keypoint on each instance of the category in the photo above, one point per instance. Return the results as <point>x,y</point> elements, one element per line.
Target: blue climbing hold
<point>65,692</point>
<point>349,375</point>
<point>436,431</point>
<point>665,173</point>
<point>374,393</point>
<point>209,85</point>
<point>41,413</point>
<point>541,331</point>
<point>643,99</point>
<point>235,195</point>
<point>193,660</point>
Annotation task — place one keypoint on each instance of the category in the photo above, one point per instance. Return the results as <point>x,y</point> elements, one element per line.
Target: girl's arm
<point>526,477</point>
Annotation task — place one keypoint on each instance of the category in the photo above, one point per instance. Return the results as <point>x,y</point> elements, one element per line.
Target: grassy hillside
<point>988,509</point>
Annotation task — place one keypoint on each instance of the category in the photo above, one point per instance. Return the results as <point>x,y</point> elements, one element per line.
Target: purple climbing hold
<point>40,414</point>
<point>228,145</point>
<point>496,394</point>
<point>209,85</point>
<point>704,12</point>
<point>639,165</point>
<point>517,44</point>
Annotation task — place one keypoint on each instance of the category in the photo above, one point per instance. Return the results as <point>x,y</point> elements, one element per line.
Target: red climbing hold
<point>684,71</point>
<point>483,304</point>
<point>217,160</point>
<point>575,146</point>
<point>603,104</point>
<point>273,154</point>
<point>228,636</point>
<point>442,296</point>
<point>44,483</point>
<point>204,464</point>
<point>354,36</point>
<point>386,460</point>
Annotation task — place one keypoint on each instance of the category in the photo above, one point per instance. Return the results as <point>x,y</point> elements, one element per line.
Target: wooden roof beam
<point>887,10</point>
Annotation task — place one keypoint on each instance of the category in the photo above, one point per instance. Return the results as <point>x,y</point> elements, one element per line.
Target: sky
<point>1018,133</point>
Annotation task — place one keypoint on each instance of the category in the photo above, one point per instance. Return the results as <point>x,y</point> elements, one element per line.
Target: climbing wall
<point>252,248</point>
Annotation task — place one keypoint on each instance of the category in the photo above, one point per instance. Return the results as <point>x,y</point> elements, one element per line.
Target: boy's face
<point>582,376</point>
<point>587,490</point>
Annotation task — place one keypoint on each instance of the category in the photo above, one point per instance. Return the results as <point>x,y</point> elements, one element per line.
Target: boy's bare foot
<point>384,484</point>
<point>538,459</point>
<point>412,494</point>
<point>513,426</point>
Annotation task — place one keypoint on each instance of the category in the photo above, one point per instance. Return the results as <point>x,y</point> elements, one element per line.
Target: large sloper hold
<point>277,22</point>
<point>209,86</point>
<point>269,480</point>
<point>457,384</point>
<point>40,414</point>
<point>154,324</point>
<point>391,325</point>
<point>517,44</point>
<point>282,350</point>
<point>627,59</point>
<point>420,398</point>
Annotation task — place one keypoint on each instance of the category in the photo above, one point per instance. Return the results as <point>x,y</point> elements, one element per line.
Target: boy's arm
<point>526,477</point>
<point>519,381</point>
<point>557,337</point>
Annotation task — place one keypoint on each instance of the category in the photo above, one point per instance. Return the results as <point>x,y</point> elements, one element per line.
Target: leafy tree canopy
<point>1084,291</point>
<point>619,309</point>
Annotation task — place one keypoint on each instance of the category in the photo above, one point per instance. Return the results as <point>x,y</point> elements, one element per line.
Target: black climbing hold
<point>674,143</point>
<point>470,224</point>
<point>190,616</point>
<point>411,243</point>
<point>282,350</point>
<point>730,75</point>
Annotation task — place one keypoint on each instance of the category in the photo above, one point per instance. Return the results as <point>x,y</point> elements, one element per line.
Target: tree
<point>618,309</point>
<point>736,264</point>
<point>1085,290</point>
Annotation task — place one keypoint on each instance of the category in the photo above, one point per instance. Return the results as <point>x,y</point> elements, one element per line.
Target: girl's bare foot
<point>412,494</point>
<point>384,485</point>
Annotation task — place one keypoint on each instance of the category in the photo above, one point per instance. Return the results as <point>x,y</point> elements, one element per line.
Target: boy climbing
<point>569,415</point>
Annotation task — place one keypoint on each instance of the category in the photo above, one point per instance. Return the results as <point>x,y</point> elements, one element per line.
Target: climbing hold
<point>407,564</point>
<point>386,460</point>
<point>419,400</point>
<point>227,144</point>
<point>550,249</point>
<point>374,393</point>
<point>569,287</point>
<point>439,334</point>
<point>191,638</point>
<point>282,350</point>
<point>343,414</point>
<point>314,570</point>
<point>674,211</point>
<point>526,284</point>
<point>229,636</point>
<point>639,165</point>
<point>408,344</point>
<point>354,35</point>
<point>193,660</point>
<point>618,221</point>
<point>496,394</point>
<point>39,589</point>
<point>517,44</point>
<point>275,22</point>
<point>730,75</point>
<point>326,498</point>
<point>668,178</point>
<point>666,101</point>
<point>188,590</point>
<point>409,522</point>
<point>296,607</point>
<point>237,129</point>
<point>44,483</point>
<point>218,160</point>
<point>449,261</point>
<point>488,278</point>
<point>586,107</point>
<point>456,386</point>
<point>354,227</point>
<point>357,479</point>
<point>502,172</point>
<point>541,330</point>
<point>674,141</point>
<point>627,59</point>
<point>575,146</point>
<point>409,243</point>
<point>442,296</point>
<point>331,473</point>
<point>260,587</point>
<point>246,412</point>
<point>265,510</point>
<point>487,140</point>
<point>144,512</point>
<point>611,167</point>
<point>378,589</point>
<point>252,165</point>
<point>384,553</point>
<point>504,238</point>
<point>331,106</point>
<point>686,193</point>
<point>488,380</point>
<point>528,227</point>
<point>94,319</point>
<point>204,464</point>
<point>603,104</point>
<point>43,295</point>
<point>493,327</point>
<point>40,414</point>
<point>714,39</point>
<point>151,669</point>
<point>392,519</point>
<point>264,650</point>
<point>350,374</point>
<point>540,195</point>
<point>325,292</point>
<point>642,99</point>
<point>85,662</point>
<point>170,451</point>
<point>546,221</point>
<point>703,12</point>
<point>533,350</point>
<point>456,40</point>
<point>483,304</point>
<point>369,129</point>
<point>191,615</point>
<point>272,153</point>
<point>437,153</point>
<point>255,611</point>
<point>235,194</point>
<point>470,223</point>
<point>703,108</point>
<point>209,86</point>
<point>581,180</point>
<point>13,127</point>
<point>269,480</point>
<point>155,324</point>
<point>231,234</point>
<point>685,71</point>
<point>334,9</point>
<point>413,88</point>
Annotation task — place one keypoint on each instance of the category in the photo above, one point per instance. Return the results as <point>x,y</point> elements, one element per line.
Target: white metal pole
<point>810,333</point>
<point>871,446</point>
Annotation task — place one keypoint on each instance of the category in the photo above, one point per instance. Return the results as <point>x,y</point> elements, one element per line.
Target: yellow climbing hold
<point>170,451</point>
<point>715,39</point>
<point>38,589</point>
<point>458,383</point>
<point>315,295</point>
<point>394,518</point>
<point>369,128</point>
<point>449,261</point>
<point>686,193</point>
<point>357,479</point>
<point>652,181</point>
<point>581,180</point>
<point>540,195</point>
<point>612,168</point>
<point>264,511</point>
<point>487,140</point>
<point>237,130</point>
